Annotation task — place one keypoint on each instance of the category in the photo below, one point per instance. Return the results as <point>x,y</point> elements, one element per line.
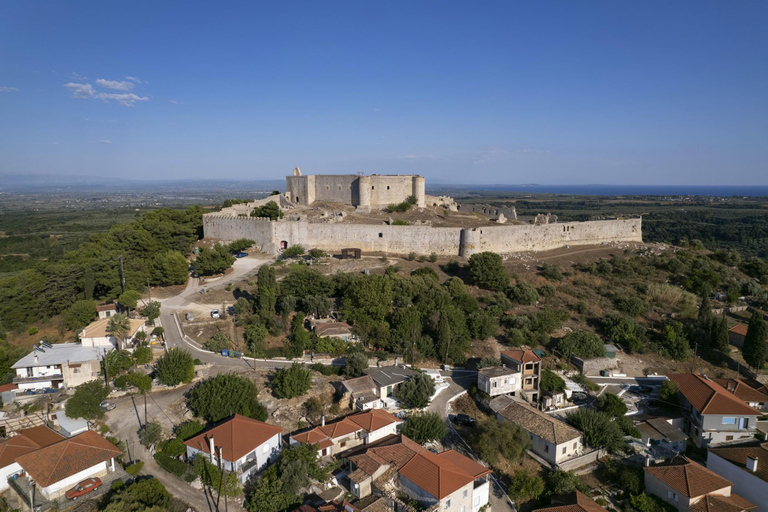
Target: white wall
<point>745,483</point>
<point>6,472</point>
<point>57,489</point>
<point>382,432</point>
<point>504,384</point>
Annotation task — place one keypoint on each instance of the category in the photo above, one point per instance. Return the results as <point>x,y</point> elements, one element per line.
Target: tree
<point>293,251</point>
<point>504,439</point>
<point>649,503</point>
<point>213,261</point>
<point>356,364</point>
<point>612,405</point>
<point>240,245</point>
<point>278,487</point>
<point>129,299</point>
<point>291,382</point>
<point>80,314</point>
<point>551,272</point>
<point>210,475</point>
<point>668,393</point>
<point>84,403</point>
<point>254,335</point>
<point>580,344</point>
<point>221,396</point>
<point>116,362</point>
<point>720,335</point>
<point>416,391</point>
<point>523,293</point>
<point>550,381</point>
<point>169,268</point>
<point>563,482</point>
<point>599,429</point>
<point>120,328</point>
<point>151,311</point>
<point>270,210</point>
<point>150,434</point>
<point>142,355</point>
<point>305,281</point>
<point>425,427</point>
<point>144,495</point>
<point>189,429</point>
<point>630,306</point>
<point>487,270</point>
<point>754,342</point>
<point>674,341</point>
<point>299,337</point>
<point>218,342</point>
<point>266,292</point>
<point>175,366</point>
<point>525,487</point>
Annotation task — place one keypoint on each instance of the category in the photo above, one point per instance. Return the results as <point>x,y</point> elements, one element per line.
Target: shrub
<point>487,270</point>
<point>402,207</point>
<point>411,256</point>
<point>426,272</point>
<point>217,343</point>
<point>580,344</point>
<point>432,257</point>
<point>356,364</point>
<point>425,427</point>
<point>174,447</point>
<point>134,468</point>
<point>523,293</point>
<point>551,272</point>
<point>525,487</point>
<point>630,306</point>
<point>317,253</point>
<point>400,222</point>
<point>270,210</point>
<point>612,405</point>
<point>550,381</point>
<point>293,251</point>
<point>220,396</point>
<point>142,355</point>
<point>416,391</point>
<point>150,434</point>
<point>32,331</point>
<point>291,382</point>
<point>85,402</point>
<point>170,464</point>
<point>189,429</point>
<point>599,429</point>
<point>505,439</point>
<point>584,382</point>
<point>175,366</point>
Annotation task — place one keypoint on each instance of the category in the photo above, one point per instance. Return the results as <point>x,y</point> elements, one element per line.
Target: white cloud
<point>5,88</point>
<point>55,143</point>
<point>137,80</point>
<point>177,102</point>
<point>114,84</point>
<point>105,141</point>
<point>126,99</point>
<point>77,76</point>
<point>85,91</point>
<point>81,91</point>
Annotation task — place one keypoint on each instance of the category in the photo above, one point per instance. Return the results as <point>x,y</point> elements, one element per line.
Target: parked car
<point>84,487</point>
<point>463,419</point>
<point>215,314</point>
<point>241,255</point>
<point>107,406</point>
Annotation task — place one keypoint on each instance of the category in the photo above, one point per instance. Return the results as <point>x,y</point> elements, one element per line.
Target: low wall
<point>581,460</point>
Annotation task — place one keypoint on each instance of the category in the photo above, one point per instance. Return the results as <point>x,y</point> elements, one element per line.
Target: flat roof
<point>59,354</point>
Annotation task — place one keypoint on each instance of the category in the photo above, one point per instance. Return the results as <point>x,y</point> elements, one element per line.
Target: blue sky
<point>572,92</point>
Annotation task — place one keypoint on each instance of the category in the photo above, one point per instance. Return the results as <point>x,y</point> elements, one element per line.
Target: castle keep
<point>310,220</point>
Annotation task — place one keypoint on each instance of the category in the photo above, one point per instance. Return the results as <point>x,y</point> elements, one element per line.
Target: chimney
<point>211,447</point>
<point>322,421</point>
<point>752,463</point>
<point>647,461</point>
<point>731,386</point>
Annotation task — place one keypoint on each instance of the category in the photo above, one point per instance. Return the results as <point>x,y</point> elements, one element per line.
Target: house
<point>70,427</point>
<point>551,438</point>
<point>106,310</point>
<point>527,363</point>
<point>713,414</point>
<point>689,486</point>
<point>27,440</point>
<point>498,380</point>
<point>349,432</point>
<point>572,502</point>
<point>339,330</point>
<point>362,393</point>
<point>736,335</point>
<point>751,391</point>
<point>379,460</point>
<point>246,446</point>
<point>59,466</point>
<point>662,437</point>
<point>449,480</point>
<point>97,334</point>
<point>388,378</point>
<point>746,465</point>
<point>62,365</point>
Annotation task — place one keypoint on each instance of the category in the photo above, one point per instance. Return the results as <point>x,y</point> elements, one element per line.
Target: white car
<point>215,314</point>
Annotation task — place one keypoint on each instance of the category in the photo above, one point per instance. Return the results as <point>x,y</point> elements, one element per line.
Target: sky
<point>509,92</point>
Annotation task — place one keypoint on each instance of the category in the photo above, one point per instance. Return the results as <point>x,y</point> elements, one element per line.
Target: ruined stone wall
<point>492,212</point>
<point>229,228</point>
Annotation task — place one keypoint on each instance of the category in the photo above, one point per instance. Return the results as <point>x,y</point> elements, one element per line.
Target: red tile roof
<point>522,356</point>
<point>237,436</point>
<point>106,307</point>
<point>394,452</point>
<point>370,421</point>
<point>709,397</point>
<point>374,419</point>
<point>740,329</point>
<point>737,454</point>
<point>687,477</point>
<point>442,474</point>
<point>717,503</point>
<point>68,457</point>
<point>8,387</point>
<point>742,390</point>
<point>28,440</point>
<point>572,502</point>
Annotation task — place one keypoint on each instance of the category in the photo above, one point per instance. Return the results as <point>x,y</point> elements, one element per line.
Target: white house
<point>246,445</point>
<point>97,334</point>
<point>26,441</point>
<point>106,310</point>
<point>62,365</point>
<point>58,467</point>
<point>746,465</point>
<point>498,380</point>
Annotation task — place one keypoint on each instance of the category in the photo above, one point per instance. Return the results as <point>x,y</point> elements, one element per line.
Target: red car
<point>83,488</point>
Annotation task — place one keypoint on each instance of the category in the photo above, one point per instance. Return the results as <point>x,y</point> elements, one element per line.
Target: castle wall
<point>228,228</point>
<point>387,190</point>
<point>336,188</point>
<point>354,190</point>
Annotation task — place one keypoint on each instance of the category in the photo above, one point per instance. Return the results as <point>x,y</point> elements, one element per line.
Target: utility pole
<point>122,273</point>
<point>221,479</point>
<point>145,410</point>
<point>106,368</point>
<point>149,290</point>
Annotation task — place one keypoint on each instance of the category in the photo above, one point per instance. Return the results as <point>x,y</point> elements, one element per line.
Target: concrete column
<point>419,188</point>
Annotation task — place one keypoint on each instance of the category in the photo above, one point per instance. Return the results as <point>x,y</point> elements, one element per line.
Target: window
<point>265,448</point>
<point>575,445</point>
<point>75,370</point>
<point>729,438</point>
<point>387,187</point>
<point>495,384</point>
<point>672,495</point>
<point>546,448</point>
<point>565,449</point>
<point>447,504</point>
<point>466,492</point>
<point>381,235</point>
<point>372,187</point>
<point>343,444</point>
<point>729,421</point>
<point>512,380</point>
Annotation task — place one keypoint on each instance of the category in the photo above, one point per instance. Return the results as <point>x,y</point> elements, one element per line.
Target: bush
<point>523,293</point>
<point>270,210</point>
<point>223,395</point>
<point>583,381</point>
<point>612,405</point>
<point>425,427</point>
<point>291,382</point>
<point>487,270</point>
<point>580,344</point>
<point>293,251</point>
<point>213,261</point>
<point>630,306</point>
<point>217,343</point>
<point>426,272</point>
<point>563,482</point>
<point>170,464</point>
<point>599,429</point>
<point>134,468</point>
<point>328,370</point>
<point>525,487</point>
<point>317,253</point>
<point>356,364</point>
<point>416,391</point>
<point>142,355</point>
<point>402,207</point>
<point>175,366</point>
<point>80,314</point>
<point>240,245</point>
<point>411,256</point>
<point>551,272</point>
<point>550,381</point>
<point>432,257</point>
<point>158,331</point>
<point>189,429</point>
<point>496,438</point>
<point>174,447</point>
<point>150,434</point>
<point>400,222</point>
<point>668,393</point>
<point>85,402</point>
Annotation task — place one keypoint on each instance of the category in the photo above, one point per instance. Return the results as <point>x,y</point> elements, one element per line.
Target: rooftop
<point>332,328</point>
<point>394,451</point>
<point>496,371</point>
<point>572,502</point>
<point>27,440</point>
<point>98,329</point>
<point>744,390</point>
<point>737,455</point>
<point>717,503</point>
<point>238,436</point>
<point>538,423</point>
<point>67,457</point>
<point>106,307</point>
<point>360,385</point>
<point>709,397</point>
<point>442,474</point>
<point>59,354</point>
<point>390,375</point>
<point>522,356</point>
<point>739,329</point>
<point>688,478</point>
<point>370,420</point>
<point>659,429</point>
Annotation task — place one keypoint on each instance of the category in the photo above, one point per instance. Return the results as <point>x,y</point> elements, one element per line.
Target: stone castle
<point>441,227</point>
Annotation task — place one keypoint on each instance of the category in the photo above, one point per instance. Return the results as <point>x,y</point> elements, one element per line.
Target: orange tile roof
<point>739,329</point>
<point>374,419</point>
<point>687,477</point>
<point>743,390</point>
<point>737,454</point>
<point>106,307</point>
<point>28,440</point>
<point>68,457</point>
<point>572,502</point>
<point>709,397</point>
<point>717,503</point>
<point>441,474</point>
<point>394,451</point>
<point>523,356</point>
<point>8,387</point>
<point>238,436</point>
<point>370,421</point>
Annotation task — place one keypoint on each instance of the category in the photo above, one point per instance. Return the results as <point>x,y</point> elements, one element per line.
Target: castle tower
<point>469,242</point>
<point>364,193</point>
<point>419,193</point>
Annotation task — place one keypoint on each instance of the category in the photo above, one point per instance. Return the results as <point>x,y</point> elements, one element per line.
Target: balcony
<point>39,378</point>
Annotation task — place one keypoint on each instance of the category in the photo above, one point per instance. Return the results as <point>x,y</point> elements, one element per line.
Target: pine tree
<point>754,342</point>
<point>720,334</point>
<point>704,331</point>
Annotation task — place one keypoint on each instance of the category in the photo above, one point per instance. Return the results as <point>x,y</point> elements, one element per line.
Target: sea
<point>626,190</point>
